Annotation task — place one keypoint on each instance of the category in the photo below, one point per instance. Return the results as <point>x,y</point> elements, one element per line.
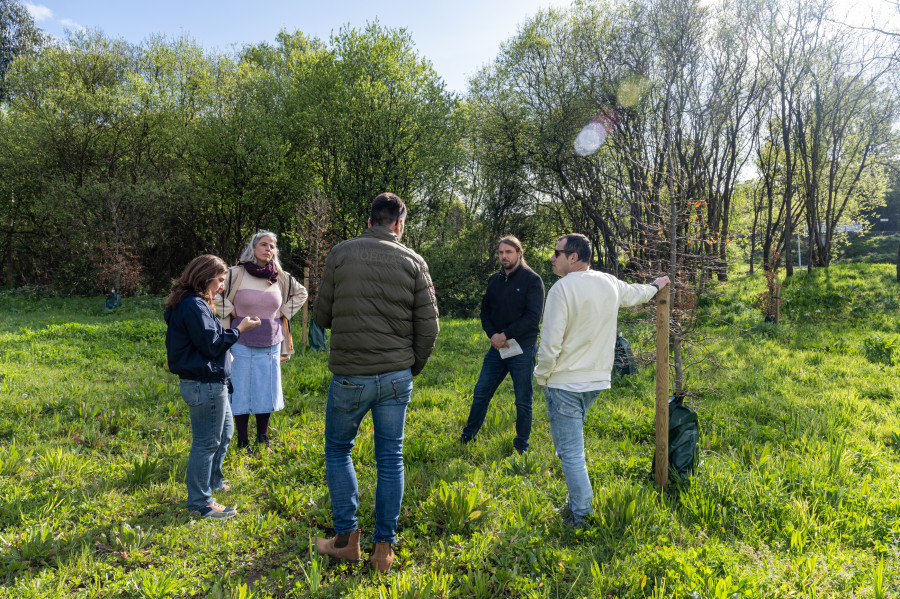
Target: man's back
<point>377,298</point>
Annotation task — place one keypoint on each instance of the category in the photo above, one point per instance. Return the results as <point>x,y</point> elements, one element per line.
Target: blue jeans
<point>566,411</point>
<point>211,429</point>
<point>349,399</point>
<point>493,371</point>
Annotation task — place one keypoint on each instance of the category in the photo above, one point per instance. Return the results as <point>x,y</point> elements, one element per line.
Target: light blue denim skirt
<point>256,378</point>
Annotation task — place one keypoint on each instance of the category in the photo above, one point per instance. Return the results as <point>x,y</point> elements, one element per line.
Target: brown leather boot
<point>341,547</point>
<point>383,557</point>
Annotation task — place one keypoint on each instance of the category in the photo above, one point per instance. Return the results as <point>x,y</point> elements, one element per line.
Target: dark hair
<point>387,209</point>
<point>579,245</point>
<point>513,242</point>
<point>195,280</point>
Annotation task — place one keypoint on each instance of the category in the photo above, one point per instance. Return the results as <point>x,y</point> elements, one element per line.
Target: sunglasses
<point>556,253</point>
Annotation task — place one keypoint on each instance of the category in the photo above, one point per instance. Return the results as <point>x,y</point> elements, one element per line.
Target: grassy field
<point>797,494</point>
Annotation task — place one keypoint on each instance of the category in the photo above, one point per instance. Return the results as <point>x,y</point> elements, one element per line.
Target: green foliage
<point>12,460</point>
<point>143,470</point>
<point>18,36</point>
<point>125,538</point>
<point>871,248</point>
<point>880,349</point>
<point>33,548</point>
<point>457,506</point>
<point>527,464</point>
<point>410,586</point>
<point>155,584</point>
<point>116,149</point>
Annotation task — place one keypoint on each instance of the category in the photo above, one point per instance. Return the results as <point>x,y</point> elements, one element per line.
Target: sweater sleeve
<point>206,333</point>
<point>632,294</point>
<point>553,330</point>
<point>295,300</point>
<point>534,306</point>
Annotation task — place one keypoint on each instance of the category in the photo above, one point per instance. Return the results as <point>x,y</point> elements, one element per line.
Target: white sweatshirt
<point>578,335</point>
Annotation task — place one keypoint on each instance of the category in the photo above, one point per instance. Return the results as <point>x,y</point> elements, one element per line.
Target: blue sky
<point>458,37</point>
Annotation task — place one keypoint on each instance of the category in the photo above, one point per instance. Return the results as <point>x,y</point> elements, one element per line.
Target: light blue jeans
<point>349,399</point>
<point>211,429</point>
<point>566,411</point>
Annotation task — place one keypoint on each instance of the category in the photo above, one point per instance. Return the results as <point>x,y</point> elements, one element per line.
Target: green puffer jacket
<point>377,298</point>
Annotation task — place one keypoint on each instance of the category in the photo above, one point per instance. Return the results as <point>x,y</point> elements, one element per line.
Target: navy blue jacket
<point>196,344</point>
<point>513,304</point>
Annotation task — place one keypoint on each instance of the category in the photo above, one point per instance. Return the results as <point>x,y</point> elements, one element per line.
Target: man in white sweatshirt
<point>576,351</point>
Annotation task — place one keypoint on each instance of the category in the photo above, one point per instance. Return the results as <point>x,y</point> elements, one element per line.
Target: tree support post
<point>304,335</point>
<point>662,386</point>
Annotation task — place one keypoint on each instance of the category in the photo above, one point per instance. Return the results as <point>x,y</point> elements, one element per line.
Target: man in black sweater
<point>510,315</point>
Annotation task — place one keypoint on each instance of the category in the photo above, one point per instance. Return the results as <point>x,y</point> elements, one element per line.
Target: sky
<point>457,36</point>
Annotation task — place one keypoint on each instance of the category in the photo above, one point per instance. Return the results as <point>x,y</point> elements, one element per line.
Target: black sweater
<point>513,304</point>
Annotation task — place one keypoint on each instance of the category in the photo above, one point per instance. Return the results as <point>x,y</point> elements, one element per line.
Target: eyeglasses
<point>556,253</point>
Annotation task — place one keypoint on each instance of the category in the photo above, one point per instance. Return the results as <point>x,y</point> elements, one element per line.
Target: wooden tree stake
<point>662,386</point>
<point>304,335</point>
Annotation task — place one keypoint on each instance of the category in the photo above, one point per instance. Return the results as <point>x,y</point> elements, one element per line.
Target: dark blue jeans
<point>493,370</point>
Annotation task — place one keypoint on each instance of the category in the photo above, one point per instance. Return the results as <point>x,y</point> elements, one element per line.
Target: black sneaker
<point>464,439</point>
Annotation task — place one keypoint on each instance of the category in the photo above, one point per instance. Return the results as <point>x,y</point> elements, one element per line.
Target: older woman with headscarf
<point>259,286</point>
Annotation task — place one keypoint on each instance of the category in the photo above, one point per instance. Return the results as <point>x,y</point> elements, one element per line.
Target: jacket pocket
<point>345,396</point>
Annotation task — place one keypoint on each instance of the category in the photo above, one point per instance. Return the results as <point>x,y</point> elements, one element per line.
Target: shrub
<point>457,506</point>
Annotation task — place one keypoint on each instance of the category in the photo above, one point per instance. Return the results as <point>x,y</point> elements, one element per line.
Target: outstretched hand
<point>251,322</point>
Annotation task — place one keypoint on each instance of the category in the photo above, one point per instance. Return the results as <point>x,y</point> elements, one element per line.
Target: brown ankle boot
<point>383,557</point>
<point>342,547</point>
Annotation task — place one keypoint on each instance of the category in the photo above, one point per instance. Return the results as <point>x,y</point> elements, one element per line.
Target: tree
<point>368,115</point>
<point>18,35</point>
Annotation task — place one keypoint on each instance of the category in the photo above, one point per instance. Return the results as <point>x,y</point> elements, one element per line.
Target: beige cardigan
<point>293,296</point>
<point>578,335</point>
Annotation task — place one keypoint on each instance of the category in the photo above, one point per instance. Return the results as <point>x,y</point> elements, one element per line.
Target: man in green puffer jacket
<point>377,298</point>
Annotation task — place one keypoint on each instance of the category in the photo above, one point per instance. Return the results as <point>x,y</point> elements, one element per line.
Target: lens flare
<point>590,139</point>
<point>592,136</point>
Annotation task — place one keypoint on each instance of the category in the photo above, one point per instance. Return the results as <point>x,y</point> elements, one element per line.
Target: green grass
<point>797,493</point>
<point>871,247</point>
